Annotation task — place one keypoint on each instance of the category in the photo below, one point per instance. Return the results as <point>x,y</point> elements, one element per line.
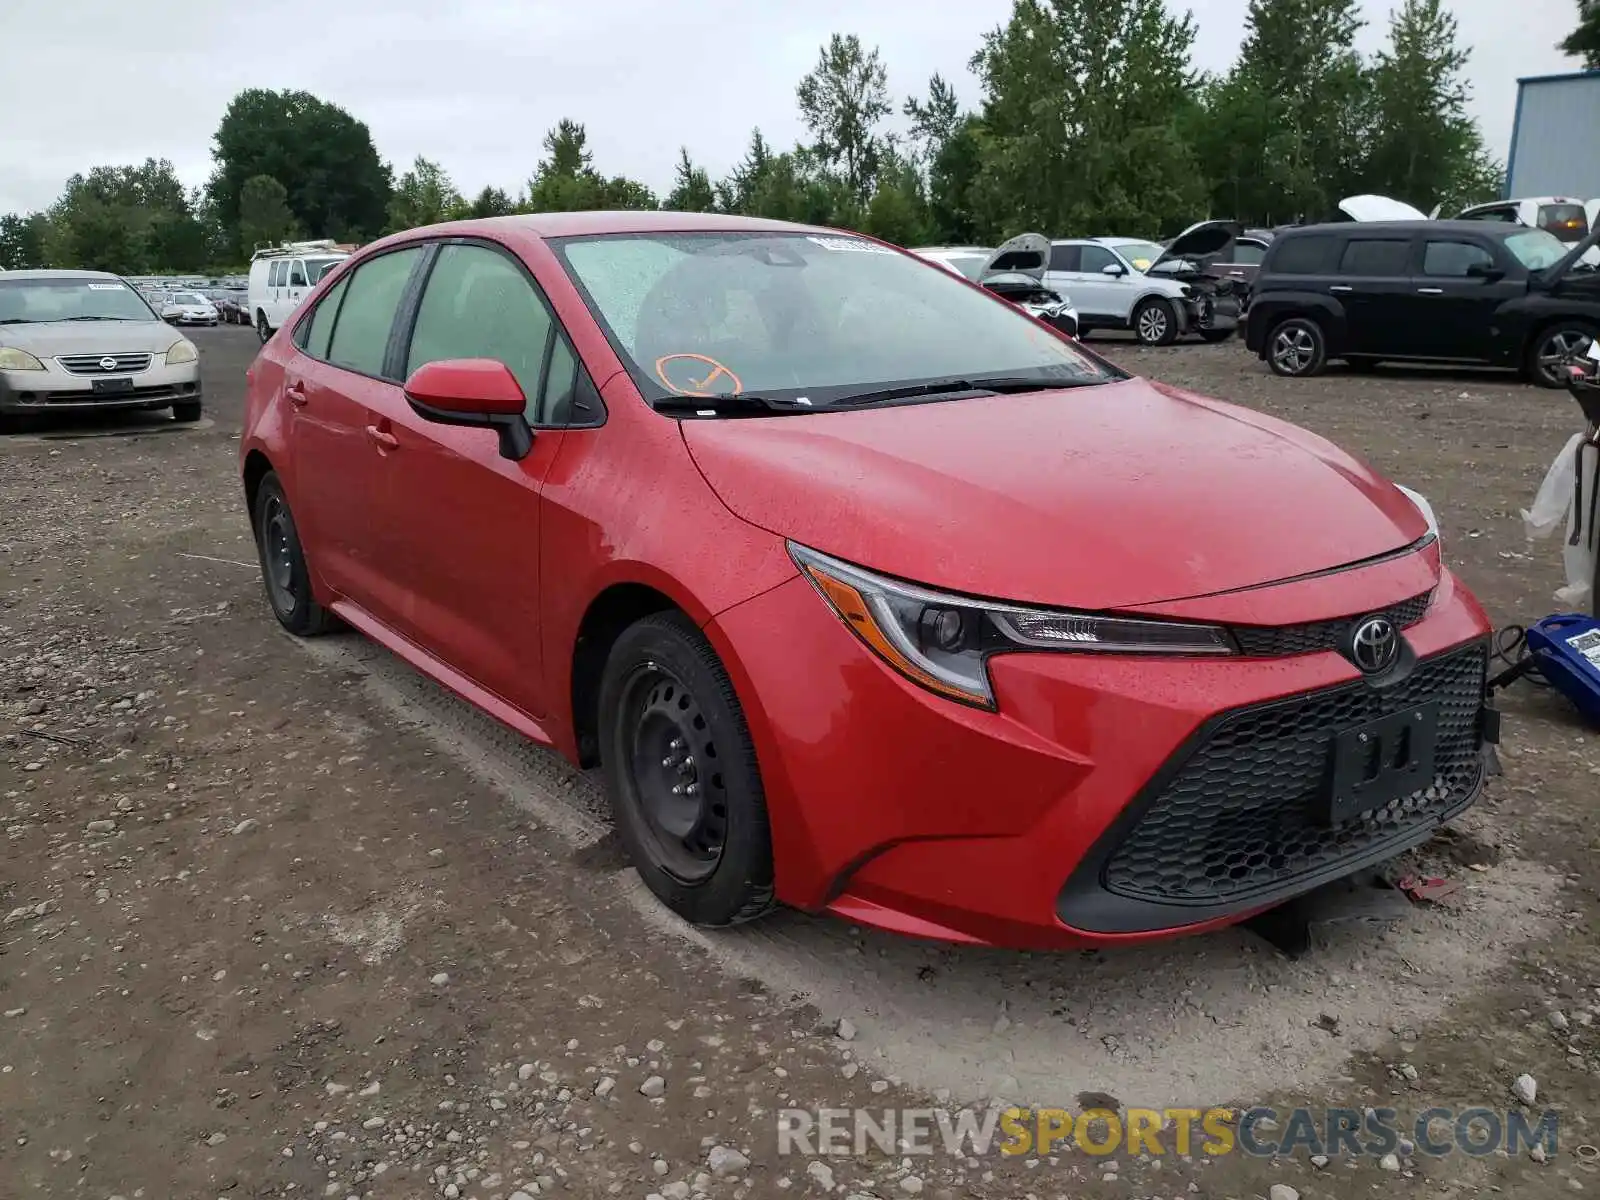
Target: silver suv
<point>86,339</point>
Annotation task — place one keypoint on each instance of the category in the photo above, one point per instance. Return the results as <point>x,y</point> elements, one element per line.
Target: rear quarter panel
<point>1271,304</point>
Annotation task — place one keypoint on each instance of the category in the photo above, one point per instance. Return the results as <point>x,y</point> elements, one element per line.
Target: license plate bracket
<point>1381,761</point>
<point>103,387</point>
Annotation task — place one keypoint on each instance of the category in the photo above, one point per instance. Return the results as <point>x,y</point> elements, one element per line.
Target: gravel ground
<point>283,919</point>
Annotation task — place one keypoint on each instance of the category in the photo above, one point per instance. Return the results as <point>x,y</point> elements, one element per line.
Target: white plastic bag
<point>1558,505</point>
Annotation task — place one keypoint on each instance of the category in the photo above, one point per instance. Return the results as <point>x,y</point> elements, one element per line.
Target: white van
<point>282,276</point>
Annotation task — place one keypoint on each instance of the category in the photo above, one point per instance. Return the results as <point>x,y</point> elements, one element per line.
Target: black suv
<point>1423,291</point>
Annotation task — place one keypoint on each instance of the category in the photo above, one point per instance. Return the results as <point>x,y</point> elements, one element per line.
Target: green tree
<point>692,192</point>
<point>736,193</point>
<point>1084,101</point>
<point>1584,41</point>
<point>22,241</point>
<point>424,195</point>
<point>127,219</point>
<point>934,121</point>
<point>842,101</point>
<point>566,180</point>
<point>492,202</point>
<point>898,210</point>
<point>947,142</point>
<point>1423,147</point>
<point>336,184</point>
<point>264,216</point>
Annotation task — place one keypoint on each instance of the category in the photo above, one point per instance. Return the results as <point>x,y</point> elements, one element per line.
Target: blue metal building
<point>1553,137</point>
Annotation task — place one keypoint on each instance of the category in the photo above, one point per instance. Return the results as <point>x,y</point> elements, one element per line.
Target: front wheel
<point>283,563</point>
<point>1297,347</point>
<point>263,330</point>
<point>1553,348</point>
<point>681,773</point>
<point>1155,323</point>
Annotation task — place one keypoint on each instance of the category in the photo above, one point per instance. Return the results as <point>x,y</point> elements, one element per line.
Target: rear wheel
<point>681,773</point>
<point>1552,348</point>
<point>283,563</point>
<point>1297,347</point>
<point>263,330</point>
<point>1154,323</point>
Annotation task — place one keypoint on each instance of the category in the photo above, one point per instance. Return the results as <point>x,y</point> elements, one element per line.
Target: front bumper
<point>1111,798</point>
<point>57,389</point>
<point>1207,311</point>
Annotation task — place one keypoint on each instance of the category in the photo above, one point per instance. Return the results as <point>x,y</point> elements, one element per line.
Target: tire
<point>1550,347</point>
<point>669,719</point>
<point>263,330</point>
<point>283,563</point>
<point>1155,323</point>
<point>1216,335</point>
<point>186,410</point>
<point>1297,348</point>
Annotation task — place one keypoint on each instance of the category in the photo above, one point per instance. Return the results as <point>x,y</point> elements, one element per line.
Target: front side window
<point>69,298</point>
<point>1093,260</point>
<point>361,333</point>
<point>480,304</point>
<point>1455,259</point>
<point>1248,253</point>
<point>297,274</point>
<point>1373,256</point>
<point>801,316</point>
<point>316,268</point>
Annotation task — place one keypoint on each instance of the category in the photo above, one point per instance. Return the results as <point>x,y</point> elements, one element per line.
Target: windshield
<point>316,268</point>
<point>809,318</point>
<point>969,265</point>
<point>66,299</point>
<point>1140,254</point>
<point>1568,222</point>
<point>1536,249</point>
<point>191,298</point>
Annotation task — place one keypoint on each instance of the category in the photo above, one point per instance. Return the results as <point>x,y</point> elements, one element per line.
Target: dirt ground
<point>281,919</point>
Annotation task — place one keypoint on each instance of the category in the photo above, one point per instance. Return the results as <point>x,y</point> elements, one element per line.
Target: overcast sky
<point>474,84</point>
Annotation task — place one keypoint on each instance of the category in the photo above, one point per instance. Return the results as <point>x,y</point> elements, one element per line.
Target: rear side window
<point>1454,259</point>
<point>319,329</point>
<point>1064,258</point>
<point>275,273</point>
<point>1371,256</point>
<point>1309,255</point>
<point>1567,221</point>
<point>361,333</point>
<point>479,304</point>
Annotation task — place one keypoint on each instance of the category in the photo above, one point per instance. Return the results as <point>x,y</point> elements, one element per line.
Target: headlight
<point>12,359</point>
<point>181,351</point>
<point>943,642</point>
<point>1423,507</point>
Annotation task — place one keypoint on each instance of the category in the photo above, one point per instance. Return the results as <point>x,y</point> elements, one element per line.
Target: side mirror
<point>476,392</point>
<point>1487,274</point>
<point>1114,270</point>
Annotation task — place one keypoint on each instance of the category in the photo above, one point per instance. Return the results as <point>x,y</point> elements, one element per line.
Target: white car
<point>189,308</point>
<point>1570,220</point>
<point>967,261</point>
<point>1022,285</point>
<point>282,276</point>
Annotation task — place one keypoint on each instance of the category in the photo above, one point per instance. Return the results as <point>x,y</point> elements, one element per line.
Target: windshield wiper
<point>1006,384</point>
<point>97,318</point>
<point>16,321</point>
<point>731,404</point>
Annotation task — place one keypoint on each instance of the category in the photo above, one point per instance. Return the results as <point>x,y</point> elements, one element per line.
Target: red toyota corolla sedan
<point>869,593</point>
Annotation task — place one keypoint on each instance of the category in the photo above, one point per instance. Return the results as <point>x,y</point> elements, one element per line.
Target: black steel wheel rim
<point>674,773</point>
<point>277,553</point>
<point>1559,349</point>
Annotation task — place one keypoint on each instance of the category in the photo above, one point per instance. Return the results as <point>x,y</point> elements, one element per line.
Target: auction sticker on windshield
<point>107,287</point>
<point>857,245</point>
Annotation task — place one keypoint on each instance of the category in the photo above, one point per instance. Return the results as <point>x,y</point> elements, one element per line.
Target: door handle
<point>1430,291</point>
<point>384,439</point>
<point>296,395</point>
<point>1340,287</point>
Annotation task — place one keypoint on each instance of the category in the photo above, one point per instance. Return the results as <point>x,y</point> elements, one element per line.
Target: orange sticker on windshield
<point>689,381</point>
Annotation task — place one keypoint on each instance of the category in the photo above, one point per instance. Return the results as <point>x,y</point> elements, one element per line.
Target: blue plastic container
<point>1566,648</point>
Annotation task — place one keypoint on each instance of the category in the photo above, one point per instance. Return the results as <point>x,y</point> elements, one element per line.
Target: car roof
<point>50,273</point>
<point>1481,228</point>
<point>589,224</point>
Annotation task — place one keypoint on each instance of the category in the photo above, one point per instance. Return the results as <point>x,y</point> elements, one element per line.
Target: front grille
<point>90,364</point>
<point>1263,641</point>
<point>1238,816</point>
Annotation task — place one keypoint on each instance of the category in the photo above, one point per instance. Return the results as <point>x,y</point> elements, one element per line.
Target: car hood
<point>1379,208</point>
<point>1129,493</point>
<point>1200,241</point>
<point>46,339</point>
<point>1026,254</point>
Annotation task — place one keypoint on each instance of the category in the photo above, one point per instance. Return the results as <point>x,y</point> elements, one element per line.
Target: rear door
<point>1458,298</point>
<point>1375,289</point>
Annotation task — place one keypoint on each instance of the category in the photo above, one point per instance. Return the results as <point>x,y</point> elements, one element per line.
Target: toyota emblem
<point>1375,645</point>
<point>108,363</point>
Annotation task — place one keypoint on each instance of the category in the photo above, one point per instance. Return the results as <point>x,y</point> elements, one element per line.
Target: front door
<point>1374,288</point>
<point>462,522</point>
<point>1458,300</point>
<point>1108,297</point>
